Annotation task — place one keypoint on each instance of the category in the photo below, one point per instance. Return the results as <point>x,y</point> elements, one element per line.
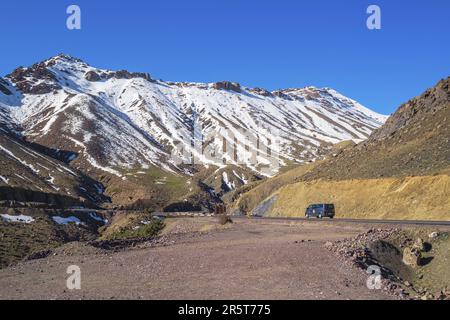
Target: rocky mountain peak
<point>52,74</point>
<point>416,110</point>
<point>62,57</point>
<point>37,79</point>
<point>118,120</point>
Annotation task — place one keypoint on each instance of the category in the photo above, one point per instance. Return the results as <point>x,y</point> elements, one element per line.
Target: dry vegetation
<point>420,198</point>
<point>128,225</point>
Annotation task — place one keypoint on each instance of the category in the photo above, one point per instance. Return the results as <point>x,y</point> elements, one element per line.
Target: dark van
<point>320,211</point>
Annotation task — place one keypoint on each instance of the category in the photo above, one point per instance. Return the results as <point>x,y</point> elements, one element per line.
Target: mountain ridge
<point>117,123</point>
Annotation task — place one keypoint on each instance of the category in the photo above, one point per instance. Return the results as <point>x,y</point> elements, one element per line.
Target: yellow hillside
<point>412,198</point>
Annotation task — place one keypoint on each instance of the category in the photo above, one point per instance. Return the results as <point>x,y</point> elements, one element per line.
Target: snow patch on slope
<point>67,220</point>
<point>20,218</point>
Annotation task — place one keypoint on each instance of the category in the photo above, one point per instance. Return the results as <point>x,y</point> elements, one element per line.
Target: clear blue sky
<point>271,44</point>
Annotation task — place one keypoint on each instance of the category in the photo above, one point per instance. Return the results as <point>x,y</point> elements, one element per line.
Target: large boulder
<point>261,92</point>
<point>412,257</point>
<point>419,245</point>
<point>227,85</point>
<point>433,235</point>
<point>92,76</point>
<point>282,95</point>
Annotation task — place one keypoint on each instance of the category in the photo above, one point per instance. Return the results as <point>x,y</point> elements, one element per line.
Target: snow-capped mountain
<point>114,121</point>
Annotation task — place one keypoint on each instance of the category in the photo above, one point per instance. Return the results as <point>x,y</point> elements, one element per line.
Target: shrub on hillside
<point>151,228</point>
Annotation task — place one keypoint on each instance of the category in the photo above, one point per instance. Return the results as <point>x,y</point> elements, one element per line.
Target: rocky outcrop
<point>281,94</point>
<point>411,257</point>
<point>400,275</point>
<point>261,92</point>
<point>36,79</point>
<point>92,76</point>
<point>124,74</point>
<point>362,252</point>
<point>227,85</point>
<point>419,245</point>
<point>62,57</point>
<point>416,110</point>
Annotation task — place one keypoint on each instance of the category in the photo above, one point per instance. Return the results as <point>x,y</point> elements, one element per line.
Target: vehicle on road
<point>321,210</point>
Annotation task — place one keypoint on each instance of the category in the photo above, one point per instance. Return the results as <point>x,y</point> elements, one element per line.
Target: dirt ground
<point>249,259</point>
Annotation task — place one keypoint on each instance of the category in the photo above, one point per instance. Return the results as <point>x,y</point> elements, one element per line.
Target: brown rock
<point>328,244</point>
<point>419,245</point>
<point>281,94</point>
<point>36,79</point>
<point>433,235</point>
<point>261,92</point>
<point>227,85</point>
<point>92,76</point>
<point>411,257</point>
<point>124,74</point>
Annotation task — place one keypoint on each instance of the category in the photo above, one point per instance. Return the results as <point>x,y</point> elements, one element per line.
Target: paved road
<point>336,220</point>
<point>374,221</point>
<point>343,220</point>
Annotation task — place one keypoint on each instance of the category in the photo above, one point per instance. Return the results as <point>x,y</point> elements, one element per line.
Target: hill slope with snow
<point>112,123</point>
<point>29,175</point>
<point>124,120</point>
